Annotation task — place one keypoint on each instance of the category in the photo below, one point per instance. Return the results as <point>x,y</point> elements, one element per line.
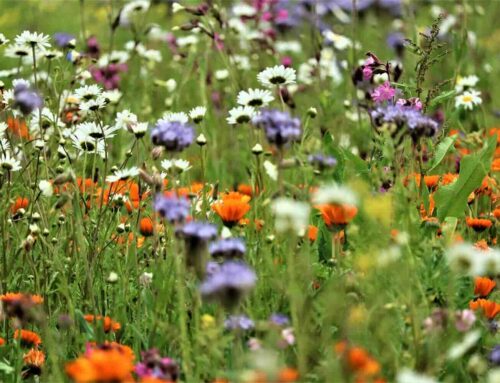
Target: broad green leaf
<point>451,200</point>
<point>442,150</point>
<point>442,97</point>
<point>358,164</point>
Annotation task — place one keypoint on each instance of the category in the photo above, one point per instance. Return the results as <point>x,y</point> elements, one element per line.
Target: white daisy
<point>339,42</point>
<point>93,104</point>
<point>186,41</point>
<point>122,175</point>
<point>88,92</point>
<point>179,117</point>
<point>240,115</point>
<point>288,46</point>
<point>277,75</point>
<point>179,165</point>
<point>95,131</point>
<point>124,119</point>
<point>334,194</point>
<point>139,129</point>
<point>291,215</point>
<point>197,114</point>
<point>16,51</point>
<point>244,10</point>
<point>112,96</point>
<point>241,62</point>
<point>4,145</point>
<point>33,39</point>
<point>115,57</point>
<point>468,100</point>
<point>3,39</point>
<point>255,97</point>
<point>3,128</point>
<point>84,143</point>
<point>221,74</point>
<point>466,82</point>
<point>52,54</point>
<point>9,163</point>
<point>132,9</point>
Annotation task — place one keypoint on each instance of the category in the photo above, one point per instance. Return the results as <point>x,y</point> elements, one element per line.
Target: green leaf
<point>451,200</point>
<point>442,97</point>
<point>6,368</point>
<point>360,166</point>
<point>442,150</point>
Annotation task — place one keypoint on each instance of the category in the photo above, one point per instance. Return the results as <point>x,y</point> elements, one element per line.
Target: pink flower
<point>383,93</point>
<point>464,320</point>
<point>287,61</point>
<point>367,73</point>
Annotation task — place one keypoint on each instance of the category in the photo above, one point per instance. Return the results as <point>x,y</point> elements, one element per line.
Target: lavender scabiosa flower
<point>229,283</point>
<point>396,41</point>
<point>494,356</point>
<point>64,40</point>
<point>279,319</point>
<point>174,136</point>
<point>239,322</point>
<point>153,365</point>
<point>174,209</point>
<point>196,236</point>
<point>228,248</point>
<point>321,161</point>
<point>26,99</point>
<point>280,128</point>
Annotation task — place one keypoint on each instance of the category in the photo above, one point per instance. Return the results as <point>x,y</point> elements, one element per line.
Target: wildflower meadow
<point>249,191</point>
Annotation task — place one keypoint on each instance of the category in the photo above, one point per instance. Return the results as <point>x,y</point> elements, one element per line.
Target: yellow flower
<point>207,321</point>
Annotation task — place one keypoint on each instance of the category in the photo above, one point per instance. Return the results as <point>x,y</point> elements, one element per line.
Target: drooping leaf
<point>442,150</point>
<point>360,166</point>
<point>451,200</point>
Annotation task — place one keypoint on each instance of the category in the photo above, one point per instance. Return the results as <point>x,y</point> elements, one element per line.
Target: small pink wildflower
<point>383,93</point>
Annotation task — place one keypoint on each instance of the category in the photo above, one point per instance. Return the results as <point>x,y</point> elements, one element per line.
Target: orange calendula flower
<point>146,227</point>
<point>2,341</point>
<point>21,203</point>
<point>232,208</point>
<point>496,213</point>
<point>107,323</point>
<point>481,245</point>
<point>448,178</point>
<point>490,309</point>
<point>337,215</point>
<point>495,165</point>
<point>361,362</point>
<point>9,298</point>
<point>483,286</point>
<point>34,357</point>
<point>312,233</point>
<point>101,365</point>
<point>478,224</point>
<point>28,338</point>
<point>18,127</point>
<point>288,375</point>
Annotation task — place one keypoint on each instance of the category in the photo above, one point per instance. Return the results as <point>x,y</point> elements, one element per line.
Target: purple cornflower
<point>153,365</point>
<point>322,161</point>
<point>280,127</point>
<point>174,209</point>
<point>64,40</point>
<point>396,41</point>
<point>196,236</point>
<point>279,319</point>
<point>229,283</point>
<point>495,355</point>
<point>26,99</point>
<point>109,76</point>
<point>239,322</point>
<point>228,248</point>
<point>174,136</point>
<point>383,92</point>
<point>198,231</point>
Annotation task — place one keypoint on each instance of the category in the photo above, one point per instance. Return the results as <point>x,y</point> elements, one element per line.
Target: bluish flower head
<point>322,161</point>
<point>26,99</point>
<point>239,322</point>
<point>495,355</point>
<point>280,128</point>
<point>198,231</point>
<point>174,136</point>
<point>279,319</point>
<point>228,248</point>
<point>229,283</point>
<point>174,209</point>
<point>418,125</point>
<point>63,39</point>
